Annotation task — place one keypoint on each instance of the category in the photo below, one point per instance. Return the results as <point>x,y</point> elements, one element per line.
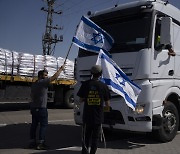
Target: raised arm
<point>55,76</point>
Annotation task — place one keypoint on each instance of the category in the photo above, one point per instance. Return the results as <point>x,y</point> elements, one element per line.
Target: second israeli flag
<point>117,80</point>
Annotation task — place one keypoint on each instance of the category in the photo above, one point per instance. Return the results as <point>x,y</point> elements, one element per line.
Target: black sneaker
<point>41,146</point>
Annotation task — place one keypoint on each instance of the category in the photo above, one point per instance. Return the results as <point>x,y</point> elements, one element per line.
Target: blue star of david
<point>123,81</point>
<point>97,38</point>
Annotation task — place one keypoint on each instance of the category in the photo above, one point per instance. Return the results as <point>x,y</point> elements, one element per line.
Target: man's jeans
<point>39,116</point>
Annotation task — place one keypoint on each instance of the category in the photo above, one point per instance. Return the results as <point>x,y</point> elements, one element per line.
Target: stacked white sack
<point>13,63</point>
<point>2,61</point>
<point>8,62</point>
<point>50,64</point>
<point>39,64</point>
<point>69,69</point>
<point>60,62</point>
<point>26,64</point>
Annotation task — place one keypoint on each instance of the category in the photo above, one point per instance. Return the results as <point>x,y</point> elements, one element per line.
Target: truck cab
<point>146,48</point>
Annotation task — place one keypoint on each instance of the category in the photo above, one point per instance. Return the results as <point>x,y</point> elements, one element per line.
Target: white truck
<point>144,32</point>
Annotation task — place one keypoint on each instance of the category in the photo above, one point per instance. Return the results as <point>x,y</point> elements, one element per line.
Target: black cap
<point>96,69</point>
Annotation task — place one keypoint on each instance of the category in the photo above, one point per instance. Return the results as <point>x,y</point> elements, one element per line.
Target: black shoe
<point>42,146</point>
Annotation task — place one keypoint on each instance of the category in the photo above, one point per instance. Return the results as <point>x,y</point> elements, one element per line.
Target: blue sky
<point>22,23</point>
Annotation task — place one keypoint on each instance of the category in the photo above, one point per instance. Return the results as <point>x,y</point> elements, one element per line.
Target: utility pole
<point>48,40</point>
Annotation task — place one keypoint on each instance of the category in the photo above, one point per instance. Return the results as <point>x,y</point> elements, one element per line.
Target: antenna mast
<point>47,39</point>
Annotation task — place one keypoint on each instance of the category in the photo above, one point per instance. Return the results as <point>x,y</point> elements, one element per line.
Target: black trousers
<point>90,133</point>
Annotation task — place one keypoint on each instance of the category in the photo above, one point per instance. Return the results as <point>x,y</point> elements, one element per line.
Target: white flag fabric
<point>90,36</point>
<point>117,80</point>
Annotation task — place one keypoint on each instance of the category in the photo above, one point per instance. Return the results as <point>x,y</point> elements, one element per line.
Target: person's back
<point>39,91</point>
<point>96,93</point>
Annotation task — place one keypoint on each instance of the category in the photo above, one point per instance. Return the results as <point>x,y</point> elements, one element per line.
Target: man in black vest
<point>94,94</point>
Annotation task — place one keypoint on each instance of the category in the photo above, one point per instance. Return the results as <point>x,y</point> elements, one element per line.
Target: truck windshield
<point>130,32</point>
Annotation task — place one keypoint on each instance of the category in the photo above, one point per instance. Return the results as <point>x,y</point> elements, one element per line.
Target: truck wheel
<point>170,123</point>
<point>69,99</point>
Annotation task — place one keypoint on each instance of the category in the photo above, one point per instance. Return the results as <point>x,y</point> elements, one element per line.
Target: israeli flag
<point>117,80</point>
<point>90,36</point>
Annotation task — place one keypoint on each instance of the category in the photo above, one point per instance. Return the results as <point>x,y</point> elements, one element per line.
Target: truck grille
<point>113,117</point>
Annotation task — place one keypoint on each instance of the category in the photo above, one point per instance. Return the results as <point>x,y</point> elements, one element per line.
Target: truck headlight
<point>139,109</point>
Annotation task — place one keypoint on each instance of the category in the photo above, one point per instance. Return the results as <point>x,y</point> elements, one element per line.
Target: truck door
<point>176,47</point>
<point>162,64</point>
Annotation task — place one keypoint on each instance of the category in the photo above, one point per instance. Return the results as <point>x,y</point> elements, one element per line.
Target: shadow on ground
<point>62,136</point>
<point>118,139</point>
<point>58,136</point>
<point>6,107</point>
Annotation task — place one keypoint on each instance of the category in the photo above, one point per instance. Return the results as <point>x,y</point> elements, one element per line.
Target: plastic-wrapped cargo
<point>50,64</point>
<point>25,64</point>
<point>69,69</point>
<point>2,60</point>
<point>8,62</point>
<point>39,63</point>
<point>15,62</point>
<point>60,62</point>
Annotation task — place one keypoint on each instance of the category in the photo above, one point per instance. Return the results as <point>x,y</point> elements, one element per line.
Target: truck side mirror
<point>166,31</point>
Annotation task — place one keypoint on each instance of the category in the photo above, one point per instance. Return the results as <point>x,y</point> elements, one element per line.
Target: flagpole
<point>70,46</point>
<point>68,53</point>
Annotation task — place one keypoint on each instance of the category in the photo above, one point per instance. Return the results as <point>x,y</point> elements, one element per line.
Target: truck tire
<point>170,123</point>
<point>69,99</point>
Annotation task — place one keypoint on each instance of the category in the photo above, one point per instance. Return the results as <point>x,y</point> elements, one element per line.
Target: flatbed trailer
<point>16,88</point>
